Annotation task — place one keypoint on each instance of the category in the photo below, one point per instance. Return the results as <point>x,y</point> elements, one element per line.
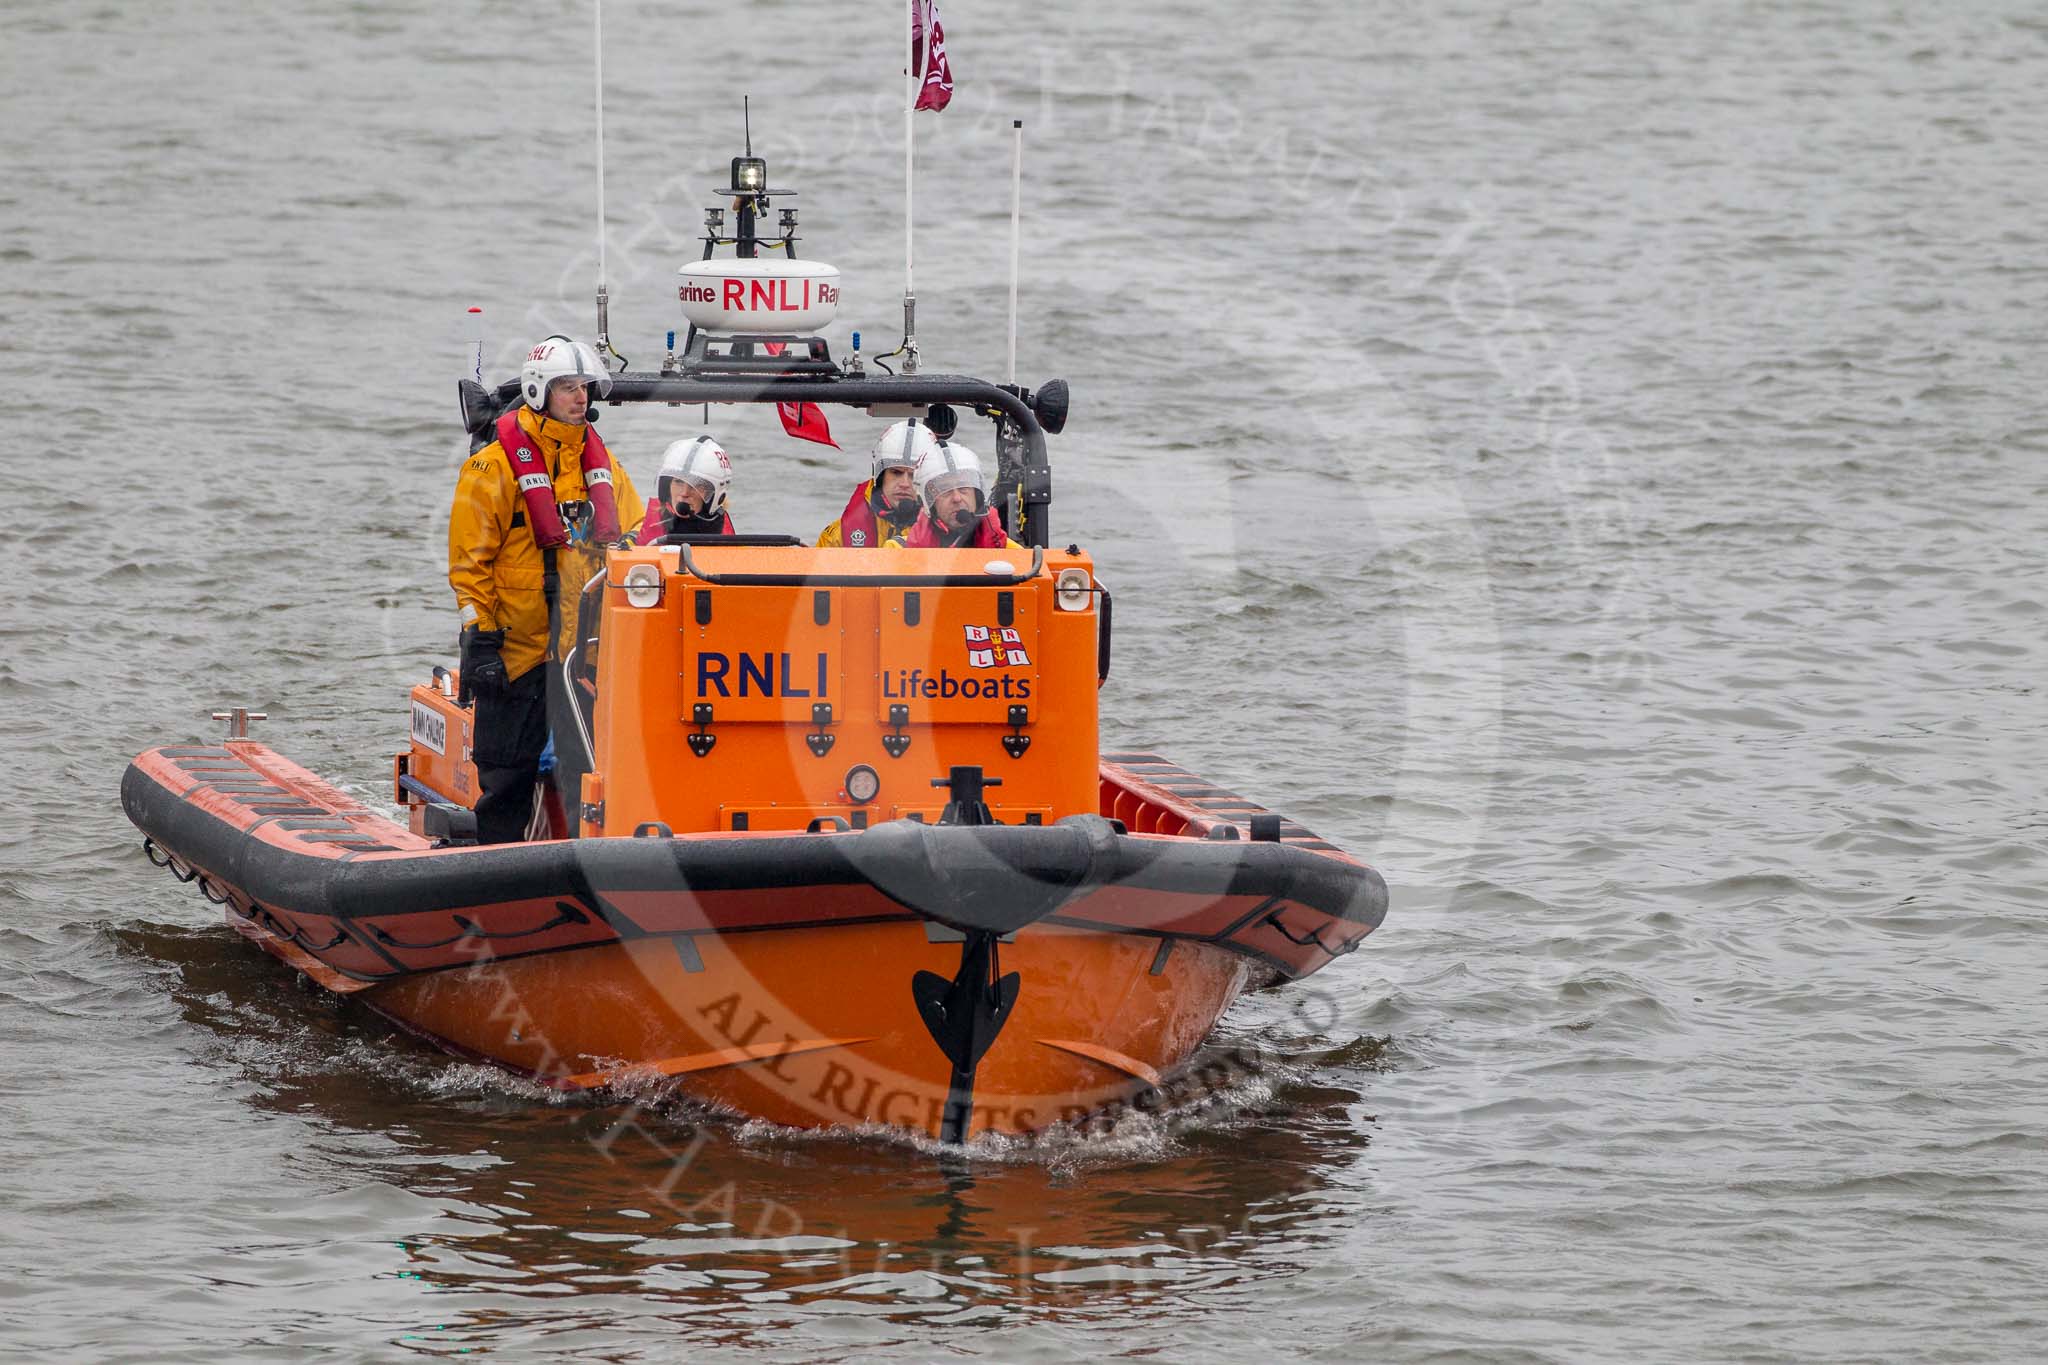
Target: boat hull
<point>774,974</point>
<point>821,1029</point>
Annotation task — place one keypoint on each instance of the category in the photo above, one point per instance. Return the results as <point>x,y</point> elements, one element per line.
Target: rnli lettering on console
<point>782,675</point>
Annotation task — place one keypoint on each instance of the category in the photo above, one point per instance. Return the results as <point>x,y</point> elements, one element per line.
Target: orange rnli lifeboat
<point>837,844</point>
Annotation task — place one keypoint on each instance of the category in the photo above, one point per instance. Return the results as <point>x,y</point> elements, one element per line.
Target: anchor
<point>964,1016</point>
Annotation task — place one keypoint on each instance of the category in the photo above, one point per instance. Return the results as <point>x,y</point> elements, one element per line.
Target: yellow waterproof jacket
<point>495,567</point>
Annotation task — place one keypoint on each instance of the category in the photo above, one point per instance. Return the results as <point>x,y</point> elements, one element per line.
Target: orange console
<point>834,685</point>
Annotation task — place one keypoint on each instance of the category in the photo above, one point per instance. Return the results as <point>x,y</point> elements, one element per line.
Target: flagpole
<point>910,88</point>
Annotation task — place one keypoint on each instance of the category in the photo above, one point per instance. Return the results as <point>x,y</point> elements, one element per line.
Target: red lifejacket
<point>857,522</point>
<point>654,525</point>
<point>537,486</point>
<point>858,527</point>
<point>988,534</point>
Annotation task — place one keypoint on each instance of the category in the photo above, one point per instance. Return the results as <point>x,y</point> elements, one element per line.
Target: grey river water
<point>1587,458</point>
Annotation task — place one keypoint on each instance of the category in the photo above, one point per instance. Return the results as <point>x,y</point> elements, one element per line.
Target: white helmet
<point>560,357</point>
<point>901,446</point>
<point>703,461</point>
<point>946,466</point>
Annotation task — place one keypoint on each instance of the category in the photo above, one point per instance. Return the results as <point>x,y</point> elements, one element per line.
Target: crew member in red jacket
<point>954,495</point>
<point>689,493</point>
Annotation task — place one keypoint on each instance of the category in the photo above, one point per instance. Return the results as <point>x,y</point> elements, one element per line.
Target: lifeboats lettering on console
<point>430,728</point>
<point>757,675</point>
<point>912,682</point>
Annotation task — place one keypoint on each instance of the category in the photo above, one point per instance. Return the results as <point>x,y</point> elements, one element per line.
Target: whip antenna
<point>1016,215</point>
<point>604,339</point>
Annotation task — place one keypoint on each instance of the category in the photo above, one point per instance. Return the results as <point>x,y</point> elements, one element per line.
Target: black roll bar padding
<point>859,580</point>
<point>1104,633</point>
<point>643,387</point>
<point>761,364</point>
<point>481,408</point>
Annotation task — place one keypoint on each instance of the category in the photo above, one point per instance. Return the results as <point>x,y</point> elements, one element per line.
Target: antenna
<point>1016,215</point>
<point>604,340</point>
<point>747,113</point>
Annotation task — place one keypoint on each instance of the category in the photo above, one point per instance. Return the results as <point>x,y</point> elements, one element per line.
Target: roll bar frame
<point>865,391</point>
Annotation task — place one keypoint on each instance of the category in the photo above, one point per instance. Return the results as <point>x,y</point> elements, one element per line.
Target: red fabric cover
<point>806,422</point>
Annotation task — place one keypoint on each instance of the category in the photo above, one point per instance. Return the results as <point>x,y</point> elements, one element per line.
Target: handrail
<point>857,580</point>
<point>576,712</point>
<point>407,782</point>
<point>761,540</point>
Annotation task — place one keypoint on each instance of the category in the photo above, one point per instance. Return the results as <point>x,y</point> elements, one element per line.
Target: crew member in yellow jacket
<point>545,495</point>
<point>886,503</point>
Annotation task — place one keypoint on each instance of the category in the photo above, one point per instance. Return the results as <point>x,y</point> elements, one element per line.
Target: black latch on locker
<point>701,739</point>
<point>1016,742</point>
<point>820,739</point>
<point>896,741</point>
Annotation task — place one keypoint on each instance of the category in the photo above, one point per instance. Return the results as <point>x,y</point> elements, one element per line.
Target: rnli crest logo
<point>860,538</point>
<point>995,647</point>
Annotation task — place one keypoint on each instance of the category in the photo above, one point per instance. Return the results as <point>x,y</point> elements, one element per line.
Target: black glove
<point>483,671</point>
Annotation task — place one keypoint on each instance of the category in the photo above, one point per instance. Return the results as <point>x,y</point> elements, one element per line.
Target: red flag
<point>806,422</point>
<point>938,74</point>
